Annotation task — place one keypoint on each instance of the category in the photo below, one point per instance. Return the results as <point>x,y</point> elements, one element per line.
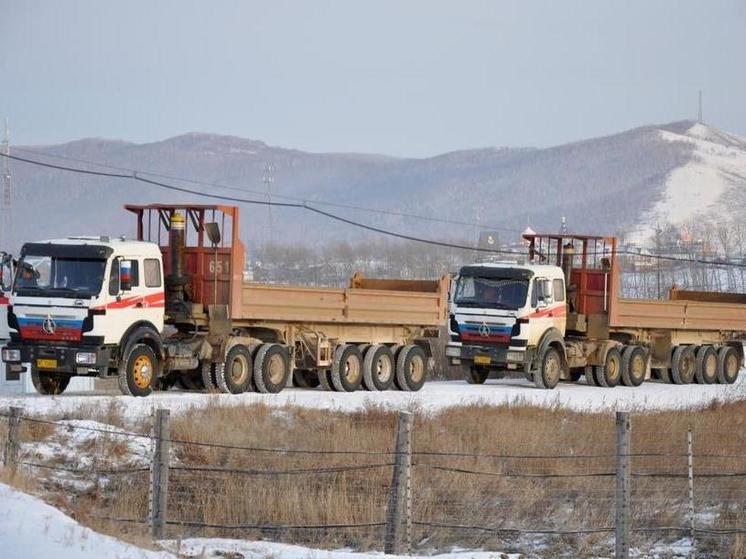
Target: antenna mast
<point>268,178</point>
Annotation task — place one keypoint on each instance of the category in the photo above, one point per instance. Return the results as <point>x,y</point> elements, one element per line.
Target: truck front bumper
<point>489,355</point>
<point>71,359</point>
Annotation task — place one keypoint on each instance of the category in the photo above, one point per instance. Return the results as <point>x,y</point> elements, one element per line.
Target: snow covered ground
<point>435,396</point>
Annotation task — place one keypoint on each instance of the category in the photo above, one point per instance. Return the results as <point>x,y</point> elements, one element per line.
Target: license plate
<point>482,360</point>
<point>46,363</point>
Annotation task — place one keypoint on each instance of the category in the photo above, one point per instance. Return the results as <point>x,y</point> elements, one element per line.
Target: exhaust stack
<point>176,280</point>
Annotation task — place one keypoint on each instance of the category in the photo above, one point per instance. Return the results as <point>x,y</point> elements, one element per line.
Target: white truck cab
<point>75,303</point>
<point>502,315</point>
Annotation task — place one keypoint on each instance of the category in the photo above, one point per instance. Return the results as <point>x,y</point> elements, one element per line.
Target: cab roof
<point>531,269</point>
<point>117,245</point>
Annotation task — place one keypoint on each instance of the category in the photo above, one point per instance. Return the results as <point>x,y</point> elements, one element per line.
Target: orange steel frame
<point>198,255</point>
<point>596,287</point>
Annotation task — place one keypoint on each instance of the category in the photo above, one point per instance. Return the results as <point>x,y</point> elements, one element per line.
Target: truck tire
<point>271,368</point>
<point>209,376</point>
<point>706,370</point>
<point>683,364</point>
<point>235,375</point>
<point>347,368</point>
<point>49,384</point>
<point>138,371</point>
<point>395,350</point>
<point>325,379</point>
<point>728,365</point>
<point>476,375</point>
<point>634,364</point>
<point>379,368</point>
<point>590,375</point>
<point>609,374</point>
<point>550,369</point>
<point>411,368</point>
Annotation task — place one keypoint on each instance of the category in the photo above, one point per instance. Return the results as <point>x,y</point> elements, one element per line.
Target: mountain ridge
<point>607,185</point>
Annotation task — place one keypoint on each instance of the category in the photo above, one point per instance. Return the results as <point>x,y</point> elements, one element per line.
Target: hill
<point>618,183</point>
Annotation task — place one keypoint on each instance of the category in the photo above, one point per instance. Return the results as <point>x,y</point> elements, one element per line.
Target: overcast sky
<point>399,77</point>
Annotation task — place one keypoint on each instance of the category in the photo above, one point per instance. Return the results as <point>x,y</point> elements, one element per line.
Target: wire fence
<point>627,489</point>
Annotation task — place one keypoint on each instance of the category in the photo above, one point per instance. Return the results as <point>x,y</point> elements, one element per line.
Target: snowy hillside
<point>707,184</point>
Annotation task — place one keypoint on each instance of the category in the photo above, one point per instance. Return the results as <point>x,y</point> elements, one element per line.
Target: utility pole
<point>268,178</point>
<point>7,198</point>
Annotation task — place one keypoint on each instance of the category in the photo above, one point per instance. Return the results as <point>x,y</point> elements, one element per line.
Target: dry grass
<point>533,503</point>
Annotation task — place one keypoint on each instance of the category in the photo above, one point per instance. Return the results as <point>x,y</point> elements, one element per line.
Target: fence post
<point>690,467</point>
<point>10,458</point>
<point>159,475</point>
<point>622,485</point>
<point>400,497</point>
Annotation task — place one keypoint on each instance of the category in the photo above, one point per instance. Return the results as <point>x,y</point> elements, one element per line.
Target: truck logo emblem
<point>49,325</point>
<point>484,330</point>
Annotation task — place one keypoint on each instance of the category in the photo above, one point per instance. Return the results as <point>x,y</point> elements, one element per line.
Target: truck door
<point>135,284</point>
<point>546,311</point>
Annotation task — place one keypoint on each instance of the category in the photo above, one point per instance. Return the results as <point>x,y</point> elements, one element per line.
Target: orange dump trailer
<point>375,333</point>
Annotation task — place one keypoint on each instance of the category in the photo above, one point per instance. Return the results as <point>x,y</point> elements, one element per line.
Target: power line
<point>305,205</point>
<point>283,196</point>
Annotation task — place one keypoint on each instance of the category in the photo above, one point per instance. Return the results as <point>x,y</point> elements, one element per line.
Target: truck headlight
<point>85,358</point>
<point>453,351</point>
<point>12,355</point>
<point>515,356</point>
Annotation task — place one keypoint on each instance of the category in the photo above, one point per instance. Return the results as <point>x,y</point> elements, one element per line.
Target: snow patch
<point>214,547</point>
<point>31,529</point>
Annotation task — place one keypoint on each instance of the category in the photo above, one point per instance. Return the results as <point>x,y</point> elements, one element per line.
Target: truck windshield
<point>59,277</point>
<point>497,293</point>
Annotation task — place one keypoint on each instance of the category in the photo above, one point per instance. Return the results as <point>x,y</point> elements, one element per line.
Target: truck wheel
<point>138,371</point>
<point>728,365</point>
<point>590,375</point>
<point>209,376</point>
<point>682,364</point>
<point>610,373</point>
<point>633,366</point>
<point>476,375</point>
<point>49,384</point>
<point>379,367</point>
<point>271,368</point>
<point>347,368</point>
<point>234,376</point>
<point>706,369</point>
<point>550,369</point>
<point>411,368</point>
